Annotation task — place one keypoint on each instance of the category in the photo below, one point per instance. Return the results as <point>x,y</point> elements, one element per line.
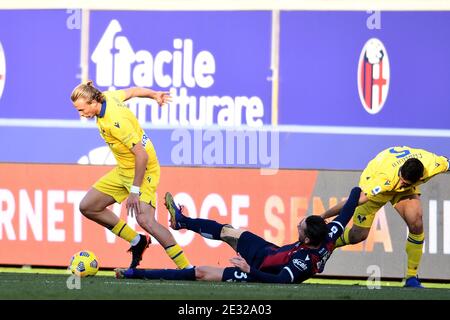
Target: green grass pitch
<point>20,283</point>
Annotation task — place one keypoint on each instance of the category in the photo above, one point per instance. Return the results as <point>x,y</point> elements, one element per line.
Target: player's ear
<point>306,241</point>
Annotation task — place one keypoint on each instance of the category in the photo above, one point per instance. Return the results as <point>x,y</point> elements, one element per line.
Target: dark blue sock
<point>207,228</point>
<point>166,274</point>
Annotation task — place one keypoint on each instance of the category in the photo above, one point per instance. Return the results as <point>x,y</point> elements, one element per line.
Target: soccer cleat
<point>138,250</point>
<point>413,282</point>
<point>176,215</point>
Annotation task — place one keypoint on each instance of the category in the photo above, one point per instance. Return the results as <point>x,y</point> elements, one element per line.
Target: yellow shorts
<point>117,185</point>
<point>365,213</point>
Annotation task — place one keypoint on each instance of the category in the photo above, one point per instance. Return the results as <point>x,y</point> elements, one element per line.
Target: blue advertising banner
<point>351,84</point>
<point>39,63</point>
<point>215,64</point>
<point>365,69</point>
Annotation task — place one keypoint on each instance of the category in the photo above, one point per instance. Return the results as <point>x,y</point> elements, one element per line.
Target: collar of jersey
<point>102,110</point>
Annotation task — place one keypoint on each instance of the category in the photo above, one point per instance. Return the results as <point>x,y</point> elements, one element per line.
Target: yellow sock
<point>121,229</point>
<point>414,246</point>
<point>177,255</point>
<point>343,239</point>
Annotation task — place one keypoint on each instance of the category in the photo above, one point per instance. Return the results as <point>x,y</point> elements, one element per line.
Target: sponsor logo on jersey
<point>300,264</point>
<point>376,190</point>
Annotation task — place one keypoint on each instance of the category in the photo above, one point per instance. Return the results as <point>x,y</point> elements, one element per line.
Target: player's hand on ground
<point>240,263</point>
<point>133,204</point>
<point>163,97</point>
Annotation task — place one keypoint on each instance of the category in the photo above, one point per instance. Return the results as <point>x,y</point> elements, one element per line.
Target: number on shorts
<point>240,275</point>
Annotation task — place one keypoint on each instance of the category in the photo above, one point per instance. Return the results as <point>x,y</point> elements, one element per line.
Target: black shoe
<point>138,250</point>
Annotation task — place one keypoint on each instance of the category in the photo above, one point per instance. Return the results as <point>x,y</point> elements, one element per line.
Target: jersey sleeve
<point>123,131</point>
<point>438,164</point>
<point>118,95</point>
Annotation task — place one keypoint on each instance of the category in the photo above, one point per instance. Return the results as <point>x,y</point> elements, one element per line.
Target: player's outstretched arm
<point>334,211</point>
<point>161,97</point>
<point>348,209</point>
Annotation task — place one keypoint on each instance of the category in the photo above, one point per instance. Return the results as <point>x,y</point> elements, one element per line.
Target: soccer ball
<point>84,264</point>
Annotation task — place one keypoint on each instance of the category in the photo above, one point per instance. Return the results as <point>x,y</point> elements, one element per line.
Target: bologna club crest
<point>373,76</point>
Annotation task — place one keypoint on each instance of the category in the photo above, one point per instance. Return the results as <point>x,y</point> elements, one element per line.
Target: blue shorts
<point>253,249</point>
<point>234,274</point>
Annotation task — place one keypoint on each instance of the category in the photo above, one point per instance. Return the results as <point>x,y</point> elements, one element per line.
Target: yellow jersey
<point>121,131</point>
<point>382,173</point>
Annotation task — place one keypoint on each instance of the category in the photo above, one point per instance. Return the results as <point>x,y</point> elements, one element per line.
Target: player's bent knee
<point>146,223</point>
<point>142,219</point>
<point>85,208</point>
<point>230,235</point>
<point>229,232</point>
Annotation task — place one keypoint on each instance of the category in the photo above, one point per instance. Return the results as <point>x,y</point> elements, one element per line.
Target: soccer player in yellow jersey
<point>136,175</point>
<point>394,175</point>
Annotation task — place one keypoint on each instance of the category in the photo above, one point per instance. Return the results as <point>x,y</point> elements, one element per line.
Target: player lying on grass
<point>258,260</point>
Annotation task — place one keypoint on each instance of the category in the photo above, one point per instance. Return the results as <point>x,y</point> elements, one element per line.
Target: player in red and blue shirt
<point>258,260</point>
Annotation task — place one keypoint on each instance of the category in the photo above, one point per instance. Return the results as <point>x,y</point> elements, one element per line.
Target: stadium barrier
<point>40,223</point>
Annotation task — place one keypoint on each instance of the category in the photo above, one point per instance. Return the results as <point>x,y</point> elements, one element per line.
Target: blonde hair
<point>88,92</point>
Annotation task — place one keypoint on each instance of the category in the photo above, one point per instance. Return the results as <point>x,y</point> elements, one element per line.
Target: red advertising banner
<point>40,223</point>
